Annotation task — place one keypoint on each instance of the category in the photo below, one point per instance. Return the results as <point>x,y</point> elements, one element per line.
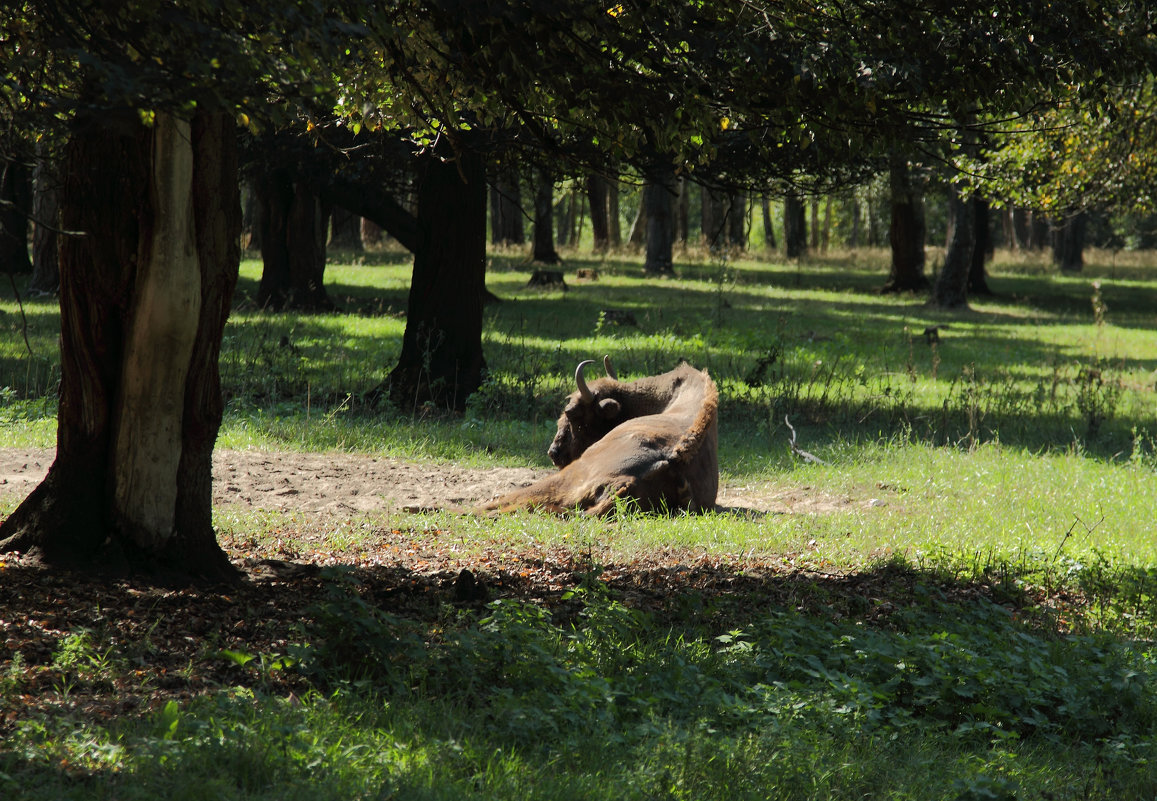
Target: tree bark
<point>144,298</point>
<point>46,224</point>
<point>293,223</point>
<point>544,251</point>
<point>441,361</point>
<point>15,206</point>
<point>906,232</point>
<point>794,227</point>
<point>659,198</point>
<point>951,290</point>
<point>1069,243</point>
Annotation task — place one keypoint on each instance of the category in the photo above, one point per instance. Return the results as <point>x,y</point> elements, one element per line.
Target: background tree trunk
<point>294,224</point>
<point>441,360</point>
<point>371,233</point>
<point>345,230</point>
<point>544,251</point>
<point>1069,243</point>
<point>659,198</point>
<point>951,290</point>
<point>712,219</point>
<point>768,228</point>
<point>906,233</point>
<point>598,197</point>
<point>15,206</point>
<point>794,227</point>
<point>682,211</point>
<point>977,277</point>
<point>506,208</point>
<point>144,297</point>
<point>46,216</point>
<point>737,220</point>
<point>614,227</point>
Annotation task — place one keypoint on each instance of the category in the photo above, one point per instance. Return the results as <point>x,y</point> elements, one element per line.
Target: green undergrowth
<point>954,700</point>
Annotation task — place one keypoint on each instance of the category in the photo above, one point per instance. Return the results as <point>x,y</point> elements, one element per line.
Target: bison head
<point>590,413</point>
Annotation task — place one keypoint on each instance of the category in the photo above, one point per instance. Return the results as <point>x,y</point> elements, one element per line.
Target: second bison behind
<point>654,441</point>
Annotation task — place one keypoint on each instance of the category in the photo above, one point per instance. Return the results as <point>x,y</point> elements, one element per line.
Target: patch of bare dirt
<point>342,484</point>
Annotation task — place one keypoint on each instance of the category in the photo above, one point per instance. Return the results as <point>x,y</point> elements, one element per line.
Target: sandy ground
<point>340,484</point>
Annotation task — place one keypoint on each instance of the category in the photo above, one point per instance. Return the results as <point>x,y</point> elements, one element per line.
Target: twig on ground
<point>807,457</point>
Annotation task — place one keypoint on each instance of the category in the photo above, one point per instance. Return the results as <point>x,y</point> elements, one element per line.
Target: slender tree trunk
<point>768,229</point>
<point>46,225</point>
<point>441,361</point>
<point>794,227</point>
<point>659,198</point>
<point>144,297</point>
<point>15,206</point>
<point>1069,243</point>
<point>544,251</point>
<point>906,233</point>
<point>977,277</point>
<point>951,290</point>
<point>1038,227</point>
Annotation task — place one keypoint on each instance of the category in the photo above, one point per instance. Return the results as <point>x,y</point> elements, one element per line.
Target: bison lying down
<point>654,440</point>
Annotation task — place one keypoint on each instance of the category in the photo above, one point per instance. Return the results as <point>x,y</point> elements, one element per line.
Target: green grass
<point>966,613</point>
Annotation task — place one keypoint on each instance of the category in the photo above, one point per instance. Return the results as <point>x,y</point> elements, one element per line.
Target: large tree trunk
<point>659,198</point>
<point>144,298</point>
<point>794,227</point>
<point>293,225</point>
<point>441,361</point>
<point>1069,243</point>
<point>544,251</point>
<point>951,290</point>
<point>46,223</point>
<point>906,233</point>
<point>15,206</point>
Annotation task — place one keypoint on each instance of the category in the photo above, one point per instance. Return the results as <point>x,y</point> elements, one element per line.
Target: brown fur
<point>656,444</point>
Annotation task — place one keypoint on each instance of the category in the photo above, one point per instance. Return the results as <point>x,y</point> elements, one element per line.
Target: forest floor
<point>341,514</point>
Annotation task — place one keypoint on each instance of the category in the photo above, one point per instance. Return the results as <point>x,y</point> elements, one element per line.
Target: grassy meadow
<point>967,611</point>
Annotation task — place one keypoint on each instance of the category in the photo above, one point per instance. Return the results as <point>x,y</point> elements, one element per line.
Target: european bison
<point>654,440</point>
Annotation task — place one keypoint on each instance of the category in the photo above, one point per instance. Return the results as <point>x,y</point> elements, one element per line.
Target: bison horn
<point>610,370</point>
<point>581,382</point>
